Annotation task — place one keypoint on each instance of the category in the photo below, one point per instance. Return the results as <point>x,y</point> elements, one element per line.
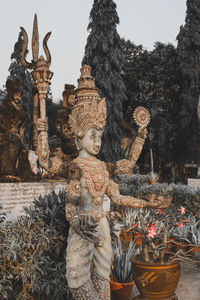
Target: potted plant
<point>156,270</point>
<point>180,234</point>
<point>121,277</point>
<point>194,238</point>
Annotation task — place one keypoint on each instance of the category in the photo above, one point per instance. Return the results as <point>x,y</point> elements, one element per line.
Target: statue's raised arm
<point>125,166</point>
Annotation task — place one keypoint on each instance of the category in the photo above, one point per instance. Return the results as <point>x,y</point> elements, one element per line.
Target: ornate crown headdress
<point>89,110</point>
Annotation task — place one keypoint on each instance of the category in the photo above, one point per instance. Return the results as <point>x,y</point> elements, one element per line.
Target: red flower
<point>182,210</point>
<point>151,231</point>
<point>160,212</point>
<point>135,225</point>
<point>180,225</point>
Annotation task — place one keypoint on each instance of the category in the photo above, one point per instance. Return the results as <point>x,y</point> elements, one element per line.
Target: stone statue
<point>89,251</point>
<point>68,146</point>
<point>12,124</point>
<point>125,166</point>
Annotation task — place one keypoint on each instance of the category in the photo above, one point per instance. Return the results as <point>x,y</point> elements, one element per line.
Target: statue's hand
<point>142,132</point>
<point>42,125</point>
<point>159,201</point>
<point>85,226</point>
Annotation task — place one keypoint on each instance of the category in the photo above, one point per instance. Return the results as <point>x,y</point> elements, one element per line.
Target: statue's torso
<point>94,182</point>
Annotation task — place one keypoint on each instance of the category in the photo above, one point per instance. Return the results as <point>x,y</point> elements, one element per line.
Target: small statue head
<point>14,92</point>
<point>68,96</point>
<point>88,117</point>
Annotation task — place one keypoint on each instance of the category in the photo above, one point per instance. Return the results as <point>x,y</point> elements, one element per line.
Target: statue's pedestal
<point>15,196</point>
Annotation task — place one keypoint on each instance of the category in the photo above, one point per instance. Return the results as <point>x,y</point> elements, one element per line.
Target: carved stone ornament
<point>95,175</point>
<point>42,79</point>
<point>124,166</point>
<point>90,110</point>
<point>141,116</point>
<point>73,189</point>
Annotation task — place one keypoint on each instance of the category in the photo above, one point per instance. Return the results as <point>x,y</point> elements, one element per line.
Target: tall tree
<point>19,72</point>
<point>151,80</point>
<point>188,51</point>
<point>103,52</point>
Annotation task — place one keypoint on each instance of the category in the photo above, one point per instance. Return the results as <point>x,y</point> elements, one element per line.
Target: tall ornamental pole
<point>42,79</point>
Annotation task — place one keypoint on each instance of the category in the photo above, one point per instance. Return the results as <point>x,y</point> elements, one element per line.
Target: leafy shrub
<point>32,252</point>
<point>139,186</point>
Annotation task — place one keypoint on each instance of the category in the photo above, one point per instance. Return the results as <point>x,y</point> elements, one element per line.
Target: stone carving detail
<point>90,110</point>
<point>141,116</point>
<point>95,175</point>
<point>86,292</point>
<point>73,189</point>
<point>101,286</point>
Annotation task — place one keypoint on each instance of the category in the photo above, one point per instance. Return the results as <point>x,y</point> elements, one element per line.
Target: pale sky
<point>141,21</point>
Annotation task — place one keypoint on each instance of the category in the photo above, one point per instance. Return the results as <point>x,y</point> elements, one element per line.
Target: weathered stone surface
<point>16,195</point>
<point>195,182</point>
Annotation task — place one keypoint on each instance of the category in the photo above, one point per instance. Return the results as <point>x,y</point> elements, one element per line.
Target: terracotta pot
<point>121,291</point>
<point>155,280</point>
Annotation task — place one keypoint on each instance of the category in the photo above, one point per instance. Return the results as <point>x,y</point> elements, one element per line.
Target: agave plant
<point>121,268</point>
<point>155,227</point>
<point>195,233</point>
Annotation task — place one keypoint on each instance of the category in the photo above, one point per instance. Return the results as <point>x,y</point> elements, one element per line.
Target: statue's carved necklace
<point>95,175</point>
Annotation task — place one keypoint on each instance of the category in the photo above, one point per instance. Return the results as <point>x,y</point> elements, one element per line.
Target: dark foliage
<point>151,80</point>
<point>51,110</point>
<point>103,53</point>
<point>33,252</point>
<point>188,51</point>
<point>2,95</point>
<point>139,186</point>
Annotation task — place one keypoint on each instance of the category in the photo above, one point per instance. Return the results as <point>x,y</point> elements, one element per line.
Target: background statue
<point>68,146</point>
<point>14,162</point>
<point>89,251</point>
<point>12,124</point>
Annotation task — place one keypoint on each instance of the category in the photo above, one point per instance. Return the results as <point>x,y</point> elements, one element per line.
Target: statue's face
<point>91,142</point>
<point>16,100</point>
<point>70,100</point>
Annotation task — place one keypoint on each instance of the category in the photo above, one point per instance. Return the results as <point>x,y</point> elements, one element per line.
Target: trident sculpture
<point>42,79</point>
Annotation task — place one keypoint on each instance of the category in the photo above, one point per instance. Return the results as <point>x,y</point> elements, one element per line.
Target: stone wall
<point>194,182</point>
<point>14,196</point>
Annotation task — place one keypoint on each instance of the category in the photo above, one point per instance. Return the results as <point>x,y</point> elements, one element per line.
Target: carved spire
<point>35,47</point>
<point>35,40</point>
